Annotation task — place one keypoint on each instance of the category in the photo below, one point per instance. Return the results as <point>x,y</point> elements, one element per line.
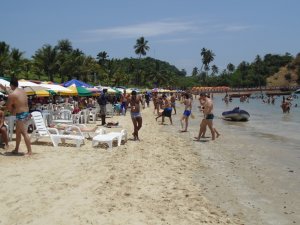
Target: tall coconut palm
<point>4,57</point>
<point>45,61</point>
<point>195,71</point>
<point>16,58</point>
<point>230,67</point>
<point>207,58</point>
<point>141,48</point>
<point>102,57</point>
<point>215,69</point>
<point>64,46</point>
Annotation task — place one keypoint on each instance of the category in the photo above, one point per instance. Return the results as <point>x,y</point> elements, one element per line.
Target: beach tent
<point>77,83</point>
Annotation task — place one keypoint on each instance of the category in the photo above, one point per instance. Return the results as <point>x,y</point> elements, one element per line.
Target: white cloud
<point>159,29</point>
<point>236,28</point>
<point>152,29</point>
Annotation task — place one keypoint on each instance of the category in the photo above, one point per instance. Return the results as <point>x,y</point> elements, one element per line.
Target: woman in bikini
<point>136,116</point>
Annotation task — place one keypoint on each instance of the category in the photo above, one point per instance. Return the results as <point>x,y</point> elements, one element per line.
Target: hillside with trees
<point>62,62</point>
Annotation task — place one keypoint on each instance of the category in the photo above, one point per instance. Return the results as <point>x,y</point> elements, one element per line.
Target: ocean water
<point>267,123</point>
<point>266,153</point>
<point>267,126</point>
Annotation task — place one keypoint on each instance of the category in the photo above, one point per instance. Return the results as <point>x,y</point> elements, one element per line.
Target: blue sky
<point>235,30</point>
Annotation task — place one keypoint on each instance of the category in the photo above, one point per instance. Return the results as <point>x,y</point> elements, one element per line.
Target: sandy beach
<point>166,178</point>
<point>151,181</point>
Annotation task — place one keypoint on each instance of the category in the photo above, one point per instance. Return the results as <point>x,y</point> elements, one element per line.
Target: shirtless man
<point>136,116</point>
<point>18,105</point>
<point>123,101</point>
<point>173,103</point>
<point>187,111</point>
<point>208,117</point>
<point>167,110</point>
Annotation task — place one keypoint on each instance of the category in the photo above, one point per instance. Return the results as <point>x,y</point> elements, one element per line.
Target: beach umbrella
<point>57,89</point>
<point>80,91</point>
<point>5,83</point>
<point>42,93</point>
<point>31,88</point>
<point>77,83</point>
<point>94,90</point>
<point>118,91</point>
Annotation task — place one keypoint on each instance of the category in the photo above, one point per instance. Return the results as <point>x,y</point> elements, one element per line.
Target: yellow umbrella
<point>42,93</point>
<point>60,90</point>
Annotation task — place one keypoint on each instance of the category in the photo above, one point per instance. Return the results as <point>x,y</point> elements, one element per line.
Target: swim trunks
<point>209,116</point>
<point>135,115</point>
<point>167,112</point>
<point>23,116</point>
<point>187,113</point>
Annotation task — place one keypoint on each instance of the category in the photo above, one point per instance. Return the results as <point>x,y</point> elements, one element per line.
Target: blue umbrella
<point>77,83</point>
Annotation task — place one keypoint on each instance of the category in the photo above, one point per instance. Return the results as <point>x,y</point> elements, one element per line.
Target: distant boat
<point>297,91</point>
<point>236,114</point>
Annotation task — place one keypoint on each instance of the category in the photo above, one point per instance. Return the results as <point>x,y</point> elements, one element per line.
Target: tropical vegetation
<point>63,62</point>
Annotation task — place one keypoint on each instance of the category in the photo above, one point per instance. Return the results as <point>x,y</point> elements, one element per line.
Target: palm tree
<point>141,48</point>
<point>45,61</point>
<point>195,71</point>
<point>15,62</point>
<point>158,76</point>
<point>64,46</point>
<point>230,67</point>
<point>102,56</point>
<point>207,58</point>
<point>215,69</point>
<point>4,57</point>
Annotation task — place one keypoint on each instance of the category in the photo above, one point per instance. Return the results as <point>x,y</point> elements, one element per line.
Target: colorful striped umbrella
<point>80,91</point>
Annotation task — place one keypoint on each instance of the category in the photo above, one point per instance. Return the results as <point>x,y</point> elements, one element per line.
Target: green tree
<point>207,58</point>
<point>141,47</point>
<point>215,69</point>
<point>195,71</point>
<point>45,62</point>
<point>230,67</point>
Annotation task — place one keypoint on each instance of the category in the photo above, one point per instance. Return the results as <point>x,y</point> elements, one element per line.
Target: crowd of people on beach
<point>164,106</point>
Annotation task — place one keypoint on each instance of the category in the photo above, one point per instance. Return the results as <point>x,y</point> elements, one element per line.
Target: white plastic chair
<point>108,138</point>
<point>52,133</point>
<point>109,110</point>
<point>93,115</point>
